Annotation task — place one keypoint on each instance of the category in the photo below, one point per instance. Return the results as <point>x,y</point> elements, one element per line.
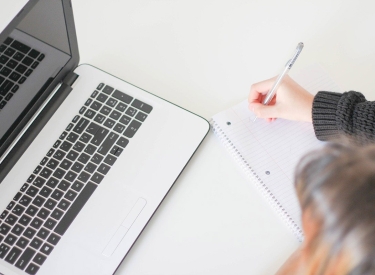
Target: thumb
<point>264,111</point>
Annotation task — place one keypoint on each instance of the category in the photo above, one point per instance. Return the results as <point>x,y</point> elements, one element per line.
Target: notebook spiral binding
<point>253,176</point>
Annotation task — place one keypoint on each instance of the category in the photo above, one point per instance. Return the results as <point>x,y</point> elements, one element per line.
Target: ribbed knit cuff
<point>324,115</point>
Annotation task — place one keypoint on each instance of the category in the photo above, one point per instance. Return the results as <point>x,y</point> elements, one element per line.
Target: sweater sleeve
<point>348,114</point>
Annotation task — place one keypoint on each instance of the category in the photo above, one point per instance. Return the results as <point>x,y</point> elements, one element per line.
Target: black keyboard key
<point>45,173</point>
<point>6,86</point>
<point>41,57</point>
<point>72,155</point>
<point>78,146</point>
<point>65,164</point>
<point>100,86</point>
<point>102,98</point>
<point>50,204</point>
<point>50,223</point>
<point>142,106</point>
<point>2,48</point>
<point>21,68</point>
<point>52,182</point>
<point>141,116</point>
<point>44,161</point>
<point>59,155</point>
<point>107,89</point>
<point>94,94</point>
<point>27,61</point>
<point>3,250</point>
<point>8,40</point>
<point>57,194</point>
<point>111,102</point>
<point>35,64</point>
<point>64,204</point>
<point>13,255</point>
<point>121,107</point>
<point>38,201</point>
<point>131,111</point>
<point>12,63</point>
<point>18,210</point>
<point>22,80</point>
<point>59,173</point>
<point>32,269</point>
<point>85,138</point>
<point>46,248</point>
<point>65,146</point>
<point>28,72</point>
<point>84,177</point>
<point>29,180</point>
<point>77,167</point>
<point>108,143</point>
<point>84,158</point>
<point>70,195</point>
<point>81,125</point>
<point>10,205</point>
<point>3,59</point>
<point>29,233</point>
<point>115,115</point>
<point>116,151</point>
<point>119,128</point>
<point>90,149</point>
<point>17,196</point>
<point>50,152</point>
<point>99,118</point>
<point>45,192</point>
<point>20,46</point>
<point>43,213</point>
<point>64,185</point>
<point>24,220</point>
<point>103,169</point>
<point>18,229</point>
<point>53,239</point>
<point>109,123</point>
<point>57,214</point>
<point>39,182</point>
<point>97,178</point>
<point>33,53</point>
<point>22,242</point>
<point>75,118</point>
<point>125,120</point>
<point>36,223</point>
<point>110,160</point>
<point>122,142</point>
<point>4,214</point>
<point>32,191</point>
<point>36,243</point>
<point>132,128</point>
<point>70,176</point>
<point>77,186</point>
<point>52,164</point>
<point>97,159</point>
<point>90,114</point>
<point>18,56</point>
<point>14,76</point>
<point>82,110</point>
<point>90,167</point>
<point>76,207</point>
<point>105,110</point>
<point>9,52</point>
<point>4,229</point>
<point>43,233</point>
<point>122,96</point>
<point>99,136</point>
<point>39,259</point>
<point>11,219</point>
<point>10,239</point>
<point>31,210</point>
<point>96,106</point>
<point>72,137</point>
<point>93,128</point>
<point>25,258</point>
<point>88,102</point>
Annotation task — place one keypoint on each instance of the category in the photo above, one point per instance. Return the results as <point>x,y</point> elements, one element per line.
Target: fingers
<point>268,112</point>
<point>259,90</point>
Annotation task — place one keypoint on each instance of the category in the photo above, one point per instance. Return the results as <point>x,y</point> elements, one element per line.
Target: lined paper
<point>269,152</point>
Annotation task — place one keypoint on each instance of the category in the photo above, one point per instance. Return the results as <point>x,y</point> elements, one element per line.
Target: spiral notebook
<point>269,152</point>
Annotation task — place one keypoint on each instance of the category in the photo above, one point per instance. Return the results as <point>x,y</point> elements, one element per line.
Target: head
<point>336,189</point>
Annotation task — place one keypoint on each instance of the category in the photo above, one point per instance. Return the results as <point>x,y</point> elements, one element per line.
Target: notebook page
<point>272,150</point>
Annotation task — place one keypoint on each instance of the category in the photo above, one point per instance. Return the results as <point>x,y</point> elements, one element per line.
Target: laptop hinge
<point>70,78</point>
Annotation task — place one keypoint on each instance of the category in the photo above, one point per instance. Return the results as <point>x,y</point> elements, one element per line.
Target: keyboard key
<point>38,201</point>
<point>20,46</point>
<point>105,110</point>
<point>90,149</point>
<point>97,159</point>
<point>32,191</point>
<point>33,53</point>
<point>111,102</point>
<point>50,223</point>
<point>59,173</point>
<point>10,239</point>
<point>45,173</point>
<point>3,59</point>
<point>4,214</point>
<point>122,142</point>
<point>90,167</point>
<point>18,229</point>
<point>96,106</point>
<point>110,160</point>
<point>3,250</point>
<point>81,125</point>
<point>90,114</point>
<point>57,214</point>
<point>45,192</point>
<point>75,208</point>
<point>72,137</point>
<point>13,255</point>
<point>125,120</point>
<point>142,106</point>
<point>22,242</point>
<point>18,210</point>
<point>99,136</point>
<point>29,233</point>
<point>59,155</point>
<point>11,219</point>
<point>84,177</point>
<point>53,239</point>
<point>39,182</point>
<point>57,195</point>
<point>64,185</point>
<point>132,128</point>
<point>9,52</point>
<point>109,123</point>
<point>108,143</point>
<point>102,98</point>
<point>36,243</point>
<point>121,107</point>
<point>52,182</point>
<point>64,204</point>
<point>122,96</point>
<point>43,233</point>
<point>4,229</point>
<point>107,89</point>
<point>25,258</point>
<point>115,115</point>
<point>99,118</point>
<point>36,223</point>
<point>32,269</point>
<point>100,86</point>
<point>70,195</point>
<point>6,86</point>
<point>39,259</point>
<point>131,111</point>
<point>50,204</point>
<point>97,178</point>
<point>141,116</point>
<point>72,155</point>
<point>70,176</point>
<point>65,164</point>
<point>77,186</point>
<point>84,158</point>
<point>78,146</point>
<point>103,169</point>
<point>52,164</point>
<point>41,57</point>
<point>31,210</point>
<point>46,248</point>
<point>21,68</point>
<point>24,220</point>
<point>65,146</point>
<point>27,61</point>
<point>77,167</point>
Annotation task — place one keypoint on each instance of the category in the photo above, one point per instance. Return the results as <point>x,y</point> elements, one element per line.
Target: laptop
<point>85,158</point>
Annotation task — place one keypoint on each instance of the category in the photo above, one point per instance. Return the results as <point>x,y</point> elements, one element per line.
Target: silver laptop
<point>85,158</point>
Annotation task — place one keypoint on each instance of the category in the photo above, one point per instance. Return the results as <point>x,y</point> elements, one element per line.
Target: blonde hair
<point>337,183</point>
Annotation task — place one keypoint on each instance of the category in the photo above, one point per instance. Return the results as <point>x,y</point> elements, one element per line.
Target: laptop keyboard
<point>17,62</point>
<point>40,213</point>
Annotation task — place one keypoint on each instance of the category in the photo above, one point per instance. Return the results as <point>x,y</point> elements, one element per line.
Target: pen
<point>280,78</point>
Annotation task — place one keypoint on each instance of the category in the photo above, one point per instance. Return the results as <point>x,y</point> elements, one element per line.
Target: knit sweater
<point>348,114</point>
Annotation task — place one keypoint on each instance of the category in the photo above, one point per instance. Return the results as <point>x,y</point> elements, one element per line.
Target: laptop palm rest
<point>124,227</point>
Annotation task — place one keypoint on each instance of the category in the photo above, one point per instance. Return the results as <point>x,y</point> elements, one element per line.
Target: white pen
<point>280,78</point>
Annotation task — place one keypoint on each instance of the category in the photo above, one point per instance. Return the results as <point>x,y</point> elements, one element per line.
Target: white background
<point>204,56</point>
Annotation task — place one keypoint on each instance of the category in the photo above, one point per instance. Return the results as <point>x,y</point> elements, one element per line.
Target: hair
<point>337,184</point>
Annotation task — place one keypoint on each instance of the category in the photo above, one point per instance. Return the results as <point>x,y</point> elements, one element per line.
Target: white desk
<point>203,56</point>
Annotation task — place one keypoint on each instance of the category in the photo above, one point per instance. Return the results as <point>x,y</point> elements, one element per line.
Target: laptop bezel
<point>44,93</point>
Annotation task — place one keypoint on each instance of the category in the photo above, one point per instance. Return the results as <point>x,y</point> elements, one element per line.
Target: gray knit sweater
<point>348,114</point>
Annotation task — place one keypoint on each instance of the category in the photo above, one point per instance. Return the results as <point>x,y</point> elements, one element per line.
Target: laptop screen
<point>30,58</point>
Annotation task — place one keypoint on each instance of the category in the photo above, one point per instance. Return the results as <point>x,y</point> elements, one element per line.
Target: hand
<point>291,101</point>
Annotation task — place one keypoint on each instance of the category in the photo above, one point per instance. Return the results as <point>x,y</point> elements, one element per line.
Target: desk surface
<point>204,56</point>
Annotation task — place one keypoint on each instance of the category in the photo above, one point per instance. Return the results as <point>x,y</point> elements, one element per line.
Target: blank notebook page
<point>269,152</point>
